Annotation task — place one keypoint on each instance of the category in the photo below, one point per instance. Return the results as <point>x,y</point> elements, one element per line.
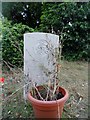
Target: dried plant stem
<point>60,51</point>
<point>48,91</point>
<point>39,93</point>
<point>11,69</point>
<point>8,65</point>
<point>14,66</point>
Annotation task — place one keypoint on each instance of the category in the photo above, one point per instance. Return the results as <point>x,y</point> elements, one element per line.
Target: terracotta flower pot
<point>49,109</point>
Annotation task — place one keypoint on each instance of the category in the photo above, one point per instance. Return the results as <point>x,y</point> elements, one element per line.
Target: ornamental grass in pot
<point>48,99</point>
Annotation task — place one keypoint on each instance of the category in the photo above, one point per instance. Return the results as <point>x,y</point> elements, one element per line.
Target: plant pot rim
<point>40,102</point>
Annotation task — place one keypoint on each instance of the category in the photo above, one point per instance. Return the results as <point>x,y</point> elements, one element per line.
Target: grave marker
<point>37,57</point>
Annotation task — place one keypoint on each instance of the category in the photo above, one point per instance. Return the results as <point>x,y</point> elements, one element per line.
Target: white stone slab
<point>37,57</point>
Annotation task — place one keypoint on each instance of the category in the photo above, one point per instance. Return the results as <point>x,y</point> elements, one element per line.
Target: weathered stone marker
<point>37,57</point>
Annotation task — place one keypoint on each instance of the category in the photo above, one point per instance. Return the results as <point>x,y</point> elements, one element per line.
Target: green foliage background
<point>12,42</point>
<point>71,19</point>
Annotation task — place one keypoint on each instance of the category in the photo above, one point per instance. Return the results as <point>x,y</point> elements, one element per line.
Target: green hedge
<point>74,19</point>
<point>12,42</point>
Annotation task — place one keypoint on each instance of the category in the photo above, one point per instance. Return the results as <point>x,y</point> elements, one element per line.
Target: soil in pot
<point>43,92</point>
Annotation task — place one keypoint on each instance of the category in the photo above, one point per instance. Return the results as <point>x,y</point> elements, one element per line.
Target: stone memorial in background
<point>37,57</point>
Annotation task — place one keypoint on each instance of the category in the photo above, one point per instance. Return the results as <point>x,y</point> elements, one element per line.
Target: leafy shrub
<point>74,19</point>
<point>0,39</point>
<point>12,42</point>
